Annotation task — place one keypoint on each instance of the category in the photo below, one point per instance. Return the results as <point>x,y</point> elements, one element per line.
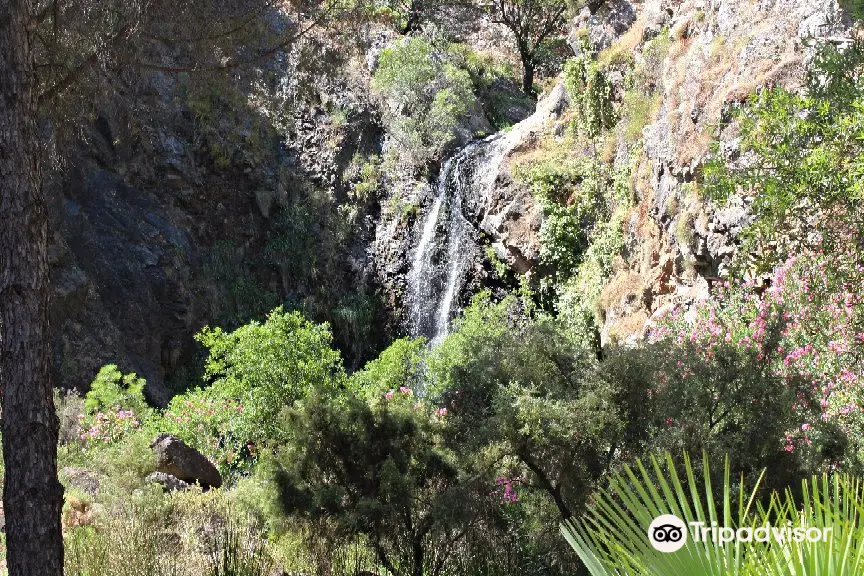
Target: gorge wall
<point>214,201</point>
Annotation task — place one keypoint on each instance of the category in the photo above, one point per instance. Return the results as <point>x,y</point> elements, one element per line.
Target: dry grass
<point>624,289</point>
<point>632,325</point>
<point>624,47</point>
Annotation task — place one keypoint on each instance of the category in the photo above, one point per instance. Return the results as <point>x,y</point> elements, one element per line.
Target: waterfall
<point>447,246</point>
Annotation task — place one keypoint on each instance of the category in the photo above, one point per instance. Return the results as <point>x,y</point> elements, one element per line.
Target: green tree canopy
<point>268,366</point>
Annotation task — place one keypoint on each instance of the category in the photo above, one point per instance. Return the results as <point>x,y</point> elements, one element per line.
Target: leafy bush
<point>776,373</point>
<point>521,391</point>
<point>212,425</point>
<point>380,471</point>
<point>426,99</point>
<point>114,407</point>
<point>584,203</point>
<point>801,160</point>
<point>112,388</point>
<point>590,92</point>
<point>265,368</point>
<point>495,84</point>
<point>399,366</point>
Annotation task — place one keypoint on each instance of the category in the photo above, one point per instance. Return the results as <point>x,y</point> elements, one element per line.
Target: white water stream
<point>447,246</point>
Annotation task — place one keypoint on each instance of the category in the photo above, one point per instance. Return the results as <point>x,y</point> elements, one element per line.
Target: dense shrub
<point>426,97</point>
<point>590,93</point>
<point>520,394</point>
<point>265,367</point>
<point>381,471</point>
<point>770,377</point>
<point>801,160</point>
<point>114,407</point>
<point>399,366</point>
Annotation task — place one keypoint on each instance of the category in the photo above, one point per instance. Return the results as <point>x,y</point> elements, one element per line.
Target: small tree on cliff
<point>531,22</point>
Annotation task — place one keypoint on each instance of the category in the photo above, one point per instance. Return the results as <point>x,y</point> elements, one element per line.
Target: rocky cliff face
<point>720,52</point>
<point>183,203</point>
<point>169,211</point>
<point>710,56</point>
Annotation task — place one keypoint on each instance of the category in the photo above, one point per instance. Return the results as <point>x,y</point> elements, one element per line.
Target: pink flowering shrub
<point>108,426</point>
<point>792,351</point>
<point>509,494</point>
<point>114,408</point>
<point>211,425</point>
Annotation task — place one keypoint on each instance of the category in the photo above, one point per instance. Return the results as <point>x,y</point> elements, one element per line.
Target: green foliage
<point>562,238</point>
<point>499,265</point>
<point>239,296</point>
<point>365,174</point>
<point>400,365</point>
<point>354,323</point>
<point>381,471</point>
<point>178,534</point>
<point>494,83</point>
<point>237,551</point>
<point>590,92</point>
<point>213,425</point>
<point>405,16</point>
<point>855,8</point>
<point>231,135</point>
<point>641,97</point>
<point>793,350</point>
<point>267,367</point>
<point>112,388</point>
<point>726,402</point>
<point>611,538</point>
<point>803,159</point>
<point>426,99</point>
<point>578,196</point>
<point>519,391</point>
<point>535,25</point>
<point>638,110</point>
<point>578,293</point>
<point>114,408</point>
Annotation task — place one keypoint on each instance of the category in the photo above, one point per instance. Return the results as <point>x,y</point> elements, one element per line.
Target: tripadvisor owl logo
<point>667,533</point>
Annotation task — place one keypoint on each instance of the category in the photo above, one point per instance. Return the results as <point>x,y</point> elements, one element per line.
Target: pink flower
<point>805,427</point>
<point>388,395</point>
<point>405,390</point>
<point>441,412</point>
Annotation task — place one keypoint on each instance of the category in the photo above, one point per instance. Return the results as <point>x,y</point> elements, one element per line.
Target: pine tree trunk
<point>32,495</point>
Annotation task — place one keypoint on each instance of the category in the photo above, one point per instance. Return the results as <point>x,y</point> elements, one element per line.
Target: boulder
<point>168,482</point>
<point>174,457</point>
<point>80,479</point>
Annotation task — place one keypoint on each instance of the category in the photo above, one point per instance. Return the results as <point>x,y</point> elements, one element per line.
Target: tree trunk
<point>527,74</point>
<point>32,495</point>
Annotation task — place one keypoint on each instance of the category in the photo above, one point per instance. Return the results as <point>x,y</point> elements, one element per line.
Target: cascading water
<point>447,245</point>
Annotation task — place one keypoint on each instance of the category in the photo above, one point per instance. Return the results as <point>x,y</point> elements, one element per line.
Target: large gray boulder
<point>174,457</point>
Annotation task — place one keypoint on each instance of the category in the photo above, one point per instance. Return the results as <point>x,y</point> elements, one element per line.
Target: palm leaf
<point>612,539</point>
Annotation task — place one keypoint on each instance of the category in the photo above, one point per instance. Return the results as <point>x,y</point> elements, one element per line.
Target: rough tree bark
<point>32,495</point>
